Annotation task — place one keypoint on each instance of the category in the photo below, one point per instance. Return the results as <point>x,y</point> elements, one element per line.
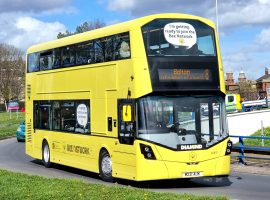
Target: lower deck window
<point>65,115</point>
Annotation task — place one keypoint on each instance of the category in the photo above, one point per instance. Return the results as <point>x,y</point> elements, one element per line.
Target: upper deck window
<point>178,37</point>
<point>105,49</point>
<point>85,53</point>
<point>45,60</point>
<point>68,58</point>
<point>56,58</point>
<point>33,62</point>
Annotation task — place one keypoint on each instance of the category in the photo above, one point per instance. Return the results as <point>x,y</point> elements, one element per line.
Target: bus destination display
<point>184,75</point>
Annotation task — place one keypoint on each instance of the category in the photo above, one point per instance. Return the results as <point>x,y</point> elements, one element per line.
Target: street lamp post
<point>217,15</point>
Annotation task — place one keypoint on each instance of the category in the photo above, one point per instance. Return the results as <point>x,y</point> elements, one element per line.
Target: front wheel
<point>46,154</point>
<point>105,166</point>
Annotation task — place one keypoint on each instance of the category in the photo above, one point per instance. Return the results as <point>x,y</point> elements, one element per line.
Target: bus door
<point>125,152</point>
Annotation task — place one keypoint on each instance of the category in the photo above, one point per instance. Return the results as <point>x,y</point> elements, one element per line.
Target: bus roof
<point>110,30</point>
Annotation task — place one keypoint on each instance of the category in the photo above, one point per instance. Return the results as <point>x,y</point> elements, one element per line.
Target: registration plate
<point>192,174</point>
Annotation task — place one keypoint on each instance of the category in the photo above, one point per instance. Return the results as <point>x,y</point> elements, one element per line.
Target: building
<point>242,77</point>
<point>263,85</point>
<point>231,86</point>
<point>246,88</point>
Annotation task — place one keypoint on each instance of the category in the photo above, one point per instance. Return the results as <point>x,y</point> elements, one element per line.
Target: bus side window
<point>122,46</point>
<point>68,116</point>
<point>99,51</point>
<point>56,58</point>
<point>33,62</point>
<point>56,115</point>
<point>68,57</point>
<point>85,53</point>
<point>45,114</point>
<point>45,60</point>
<point>108,44</point>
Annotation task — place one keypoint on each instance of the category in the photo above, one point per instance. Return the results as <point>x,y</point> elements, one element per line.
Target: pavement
<point>262,168</point>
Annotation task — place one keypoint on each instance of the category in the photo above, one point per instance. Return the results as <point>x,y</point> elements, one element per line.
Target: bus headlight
<point>228,148</point>
<point>147,151</point>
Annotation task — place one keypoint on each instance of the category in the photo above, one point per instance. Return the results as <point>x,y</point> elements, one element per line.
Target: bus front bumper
<point>157,169</point>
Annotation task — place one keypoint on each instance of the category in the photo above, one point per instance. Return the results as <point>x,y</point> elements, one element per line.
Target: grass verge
<point>21,186</point>
<point>8,127</point>
<point>258,142</point>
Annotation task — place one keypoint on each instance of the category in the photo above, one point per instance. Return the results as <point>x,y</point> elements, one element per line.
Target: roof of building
<point>264,77</point>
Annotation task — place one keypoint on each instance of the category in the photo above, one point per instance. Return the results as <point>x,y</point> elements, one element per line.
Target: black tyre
<point>105,166</point>
<point>46,156</point>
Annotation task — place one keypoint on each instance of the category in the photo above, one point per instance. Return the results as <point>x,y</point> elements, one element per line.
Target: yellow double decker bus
<point>139,100</point>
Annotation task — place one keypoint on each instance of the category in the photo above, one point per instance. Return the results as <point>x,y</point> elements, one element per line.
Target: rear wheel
<point>105,166</point>
<point>46,154</point>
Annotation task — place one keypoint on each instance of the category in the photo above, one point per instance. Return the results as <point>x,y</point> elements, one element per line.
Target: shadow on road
<point>159,184</point>
<point>70,170</point>
<point>180,183</point>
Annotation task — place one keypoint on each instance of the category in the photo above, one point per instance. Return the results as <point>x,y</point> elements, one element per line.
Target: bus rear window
<point>178,37</point>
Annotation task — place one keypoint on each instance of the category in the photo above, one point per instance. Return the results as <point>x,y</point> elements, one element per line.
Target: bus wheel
<point>46,154</point>
<point>105,166</point>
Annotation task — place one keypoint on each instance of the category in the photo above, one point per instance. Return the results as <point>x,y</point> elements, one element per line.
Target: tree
<point>248,90</point>
<point>86,26</point>
<point>11,72</point>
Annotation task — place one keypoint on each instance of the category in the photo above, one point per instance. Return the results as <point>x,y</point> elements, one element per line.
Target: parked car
<point>13,106</point>
<point>21,132</point>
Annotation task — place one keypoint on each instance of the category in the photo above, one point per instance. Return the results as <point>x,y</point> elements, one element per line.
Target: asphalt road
<point>236,186</point>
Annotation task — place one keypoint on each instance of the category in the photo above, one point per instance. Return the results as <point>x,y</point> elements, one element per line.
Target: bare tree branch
<point>11,72</point>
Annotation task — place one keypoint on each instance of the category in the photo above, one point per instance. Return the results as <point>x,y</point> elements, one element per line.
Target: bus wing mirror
<point>127,113</point>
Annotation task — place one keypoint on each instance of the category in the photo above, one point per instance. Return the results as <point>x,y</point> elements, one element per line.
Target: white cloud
<point>264,1</point>
<point>33,31</point>
<point>264,37</point>
<point>231,12</point>
<point>236,61</point>
<point>250,12</point>
<point>145,7</point>
<point>253,64</point>
<point>20,26</point>
<point>237,58</point>
<point>116,5</point>
<point>24,31</point>
<point>34,6</point>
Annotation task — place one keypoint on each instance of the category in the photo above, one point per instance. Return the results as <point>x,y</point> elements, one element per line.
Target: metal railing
<point>242,148</point>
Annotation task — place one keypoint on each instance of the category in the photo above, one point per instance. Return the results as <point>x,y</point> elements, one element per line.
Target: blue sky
<point>244,25</point>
